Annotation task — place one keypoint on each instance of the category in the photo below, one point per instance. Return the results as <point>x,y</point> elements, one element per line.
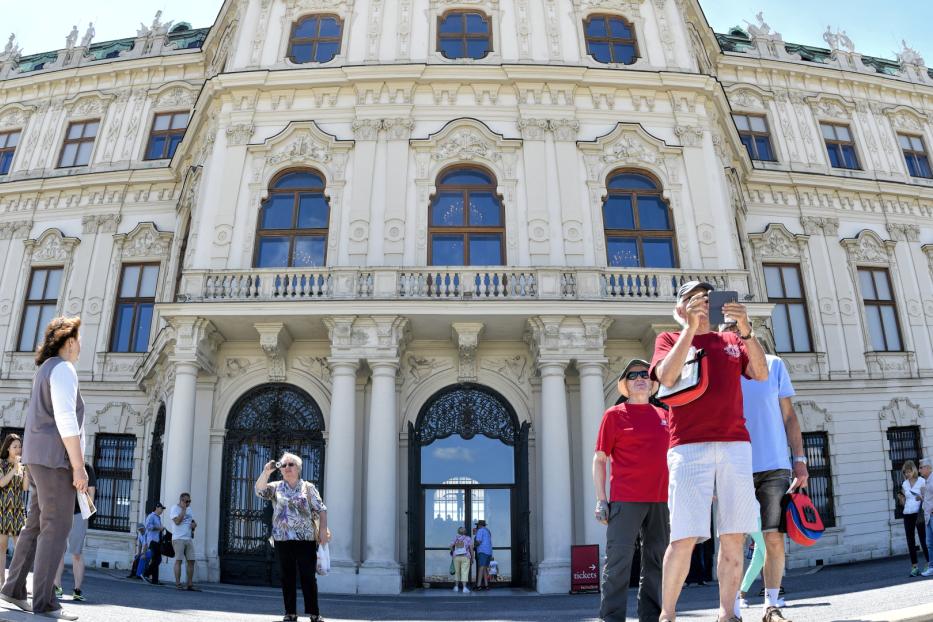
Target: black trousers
<point>627,521</point>
<point>913,523</point>
<point>152,569</point>
<point>298,559</point>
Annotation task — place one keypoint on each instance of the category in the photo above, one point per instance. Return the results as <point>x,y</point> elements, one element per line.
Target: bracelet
<point>750,334</point>
<point>800,459</point>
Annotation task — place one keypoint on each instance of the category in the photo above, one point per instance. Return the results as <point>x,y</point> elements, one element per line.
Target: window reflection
<point>481,459</point>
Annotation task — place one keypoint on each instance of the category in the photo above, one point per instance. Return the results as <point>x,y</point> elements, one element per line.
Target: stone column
<point>340,477</point>
<point>380,573</point>
<point>592,407</point>
<point>554,568</point>
<point>180,434</point>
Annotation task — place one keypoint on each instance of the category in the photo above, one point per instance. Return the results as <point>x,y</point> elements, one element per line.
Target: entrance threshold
<point>496,592</point>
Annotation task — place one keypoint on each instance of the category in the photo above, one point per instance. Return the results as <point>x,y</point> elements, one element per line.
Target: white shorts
<point>698,471</point>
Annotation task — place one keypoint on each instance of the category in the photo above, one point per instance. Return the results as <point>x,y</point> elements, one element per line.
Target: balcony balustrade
<point>446,283</point>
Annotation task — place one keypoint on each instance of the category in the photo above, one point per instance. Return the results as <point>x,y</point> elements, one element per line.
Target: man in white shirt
<point>183,526</point>
<point>926,470</point>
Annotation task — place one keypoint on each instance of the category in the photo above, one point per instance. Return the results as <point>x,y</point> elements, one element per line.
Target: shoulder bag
<point>693,381</point>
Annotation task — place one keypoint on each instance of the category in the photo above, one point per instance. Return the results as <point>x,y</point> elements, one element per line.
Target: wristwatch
<point>800,459</point>
<point>750,334</point>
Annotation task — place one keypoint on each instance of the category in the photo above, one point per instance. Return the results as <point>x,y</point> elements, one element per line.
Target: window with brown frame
<point>293,222</point>
<point>915,154</point>
<point>79,142</point>
<point>132,315</point>
<point>467,220</point>
<point>168,130</point>
<point>40,306</point>
<point>754,134</point>
<point>840,146</point>
<point>464,34</point>
<point>789,321</point>
<point>610,39</point>
<point>315,39</point>
<point>8,142</point>
<point>880,309</point>
<point>638,222</point>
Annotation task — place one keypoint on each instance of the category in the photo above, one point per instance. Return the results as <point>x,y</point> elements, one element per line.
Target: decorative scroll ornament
<point>467,411</point>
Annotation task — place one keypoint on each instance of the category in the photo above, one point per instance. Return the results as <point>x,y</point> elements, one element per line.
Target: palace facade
<point>414,241</point>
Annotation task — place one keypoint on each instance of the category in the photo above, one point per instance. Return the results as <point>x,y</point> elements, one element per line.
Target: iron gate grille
<point>265,423</point>
<point>904,444</point>
<point>113,464</point>
<point>820,485</point>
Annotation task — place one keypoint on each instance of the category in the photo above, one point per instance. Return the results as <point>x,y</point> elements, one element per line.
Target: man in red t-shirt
<point>710,448</point>
<point>633,437</point>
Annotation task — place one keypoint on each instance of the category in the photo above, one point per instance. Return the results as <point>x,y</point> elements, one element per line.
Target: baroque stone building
<point>415,241</point>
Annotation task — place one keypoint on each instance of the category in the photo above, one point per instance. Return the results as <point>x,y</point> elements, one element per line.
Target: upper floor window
<point>315,39</point>
<point>467,221</point>
<point>880,309</point>
<point>168,129</point>
<point>464,34</point>
<point>789,317</point>
<point>133,311</point>
<point>610,39</point>
<point>293,222</point>
<point>754,134</point>
<point>638,223</point>
<point>915,153</point>
<point>41,303</point>
<point>8,142</point>
<point>79,141</point>
<point>840,146</point>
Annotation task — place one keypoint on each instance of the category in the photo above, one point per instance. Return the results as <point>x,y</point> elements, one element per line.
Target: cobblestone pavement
<point>832,594</point>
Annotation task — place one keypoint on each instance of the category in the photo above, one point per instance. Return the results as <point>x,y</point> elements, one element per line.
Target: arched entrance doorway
<point>265,422</point>
<point>153,492</point>
<point>468,460</point>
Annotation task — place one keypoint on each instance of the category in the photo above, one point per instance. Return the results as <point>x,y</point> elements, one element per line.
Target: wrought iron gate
<point>155,461</point>
<point>264,423</point>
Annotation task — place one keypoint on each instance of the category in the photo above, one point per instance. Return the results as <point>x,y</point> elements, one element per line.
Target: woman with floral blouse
<point>299,524</point>
<point>14,480</point>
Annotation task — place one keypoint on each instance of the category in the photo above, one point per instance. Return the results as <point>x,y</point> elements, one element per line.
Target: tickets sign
<point>584,568</point>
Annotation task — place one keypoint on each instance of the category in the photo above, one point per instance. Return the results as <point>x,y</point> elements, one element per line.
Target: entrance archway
<point>265,422</point>
<point>468,460</point>
<point>153,492</point>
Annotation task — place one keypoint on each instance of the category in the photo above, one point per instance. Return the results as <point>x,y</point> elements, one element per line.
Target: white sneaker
<point>456,589</point>
<point>928,572</point>
<point>466,590</point>
<point>780,603</point>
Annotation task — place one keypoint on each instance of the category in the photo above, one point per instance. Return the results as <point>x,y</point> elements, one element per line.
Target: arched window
<point>293,222</point>
<point>610,39</point>
<point>464,34</point>
<point>315,39</point>
<point>467,221</point>
<point>638,222</point>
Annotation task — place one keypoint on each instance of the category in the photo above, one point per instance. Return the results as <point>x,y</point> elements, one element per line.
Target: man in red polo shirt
<point>710,446</point>
<point>634,437</point>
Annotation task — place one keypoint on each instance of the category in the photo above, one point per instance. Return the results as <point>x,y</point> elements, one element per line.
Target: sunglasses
<point>632,375</point>
<point>285,465</point>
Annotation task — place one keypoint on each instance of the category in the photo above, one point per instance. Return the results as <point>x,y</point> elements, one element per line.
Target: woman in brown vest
<point>53,449</point>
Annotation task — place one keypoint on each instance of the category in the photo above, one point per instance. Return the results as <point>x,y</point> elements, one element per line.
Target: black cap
<point>689,286</point>
<point>158,505</point>
<point>481,523</point>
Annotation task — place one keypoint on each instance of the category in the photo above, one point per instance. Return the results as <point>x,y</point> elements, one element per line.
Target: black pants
<point>914,523</point>
<point>152,570</point>
<point>298,557</point>
<point>627,521</point>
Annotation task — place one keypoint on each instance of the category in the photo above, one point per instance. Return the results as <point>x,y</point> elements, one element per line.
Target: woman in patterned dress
<point>14,479</point>
<point>296,504</point>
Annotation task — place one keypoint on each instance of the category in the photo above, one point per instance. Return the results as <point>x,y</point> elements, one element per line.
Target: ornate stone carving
<point>317,366</point>
<point>239,134</point>
<point>817,225</point>
<point>100,223</point>
<point>303,143</point>
<point>174,95</point>
<point>380,337</point>
<point>832,107</point>
<point>690,136</point>
<point>745,98</point>
<point>466,337</point>
<point>903,232</point>
<point>13,413</point>
<point>196,340</point>
<point>467,412</point>
<point>629,144</point>
<point>274,339</point>
<point>514,367</point>
<point>51,247</point>
<point>777,242</point>
<point>420,367</point>
<point>366,129</point>
<point>15,229</point>
<point>560,338</point>
<point>533,129</point>
<point>399,128</point>
<point>868,247</point>
<point>15,116</point>
<point>812,417</point>
<point>901,411</point>
<point>144,241</point>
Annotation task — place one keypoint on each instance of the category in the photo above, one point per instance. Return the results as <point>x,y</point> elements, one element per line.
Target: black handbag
<point>165,545</point>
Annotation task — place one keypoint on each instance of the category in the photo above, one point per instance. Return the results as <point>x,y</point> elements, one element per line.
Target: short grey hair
<point>293,457</point>
<point>677,317</point>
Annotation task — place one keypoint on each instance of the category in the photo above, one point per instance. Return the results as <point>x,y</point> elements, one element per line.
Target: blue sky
<point>42,26</point>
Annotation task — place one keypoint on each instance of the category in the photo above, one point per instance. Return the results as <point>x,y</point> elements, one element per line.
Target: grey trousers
<point>627,521</point>
<point>42,541</point>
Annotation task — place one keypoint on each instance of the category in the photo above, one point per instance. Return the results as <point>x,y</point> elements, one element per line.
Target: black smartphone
<point>716,300</point>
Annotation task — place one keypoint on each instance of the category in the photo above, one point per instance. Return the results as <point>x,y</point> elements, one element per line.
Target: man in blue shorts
<point>482,543</point>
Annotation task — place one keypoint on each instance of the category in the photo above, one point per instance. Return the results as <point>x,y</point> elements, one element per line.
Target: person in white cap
<point>926,495</point>
<point>710,449</point>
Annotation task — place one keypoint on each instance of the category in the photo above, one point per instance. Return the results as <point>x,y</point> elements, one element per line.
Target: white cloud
<point>453,453</point>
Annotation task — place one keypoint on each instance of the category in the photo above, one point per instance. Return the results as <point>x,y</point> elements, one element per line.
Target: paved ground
<point>834,594</point>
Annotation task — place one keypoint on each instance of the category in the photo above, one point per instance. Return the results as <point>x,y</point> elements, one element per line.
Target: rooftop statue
<point>72,38</point>
<point>88,35</point>
<point>762,29</point>
<point>909,56</point>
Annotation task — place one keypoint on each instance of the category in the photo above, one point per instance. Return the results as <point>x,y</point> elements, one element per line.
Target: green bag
<point>453,568</point>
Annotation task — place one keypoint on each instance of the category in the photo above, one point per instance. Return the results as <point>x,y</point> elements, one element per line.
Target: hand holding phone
<point>716,301</point>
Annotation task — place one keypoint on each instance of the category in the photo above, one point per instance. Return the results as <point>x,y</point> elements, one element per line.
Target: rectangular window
<point>8,142</point>
<point>113,464</point>
<point>820,484</point>
<point>903,445</point>
<point>880,309</point>
<point>754,134</point>
<point>133,312</point>
<point>168,129</point>
<point>41,304</point>
<point>915,154</point>
<point>840,146</point>
<point>79,142</point>
<point>789,319</point>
